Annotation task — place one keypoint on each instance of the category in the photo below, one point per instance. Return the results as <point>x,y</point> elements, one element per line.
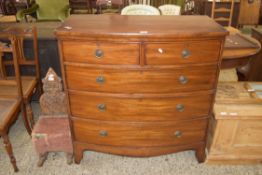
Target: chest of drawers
<point>140,85</point>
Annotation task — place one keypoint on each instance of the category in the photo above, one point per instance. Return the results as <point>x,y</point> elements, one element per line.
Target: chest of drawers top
<point>139,28</point>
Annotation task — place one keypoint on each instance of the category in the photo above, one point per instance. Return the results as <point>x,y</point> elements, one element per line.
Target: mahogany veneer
<point>140,85</point>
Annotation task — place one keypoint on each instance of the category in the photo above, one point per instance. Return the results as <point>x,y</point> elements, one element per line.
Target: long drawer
<point>100,53</point>
<point>182,53</point>
<point>135,134</point>
<point>117,108</point>
<point>189,78</point>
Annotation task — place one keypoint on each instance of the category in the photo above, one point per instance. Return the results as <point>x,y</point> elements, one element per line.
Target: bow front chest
<point>140,85</point>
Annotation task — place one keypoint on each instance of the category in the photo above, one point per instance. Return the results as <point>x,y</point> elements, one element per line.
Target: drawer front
<point>102,53</point>
<point>93,106</point>
<point>145,81</point>
<point>182,53</point>
<point>135,134</point>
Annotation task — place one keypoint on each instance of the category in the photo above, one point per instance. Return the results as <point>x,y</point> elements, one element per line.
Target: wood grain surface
<point>141,81</point>
<point>139,134</point>
<point>172,53</point>
<point>113,53</point>
<point>119,108</point>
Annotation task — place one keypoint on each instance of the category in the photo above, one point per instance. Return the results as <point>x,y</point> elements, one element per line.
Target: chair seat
<point>8,108</point>
<point>28,85</point>
<point>52,133</point>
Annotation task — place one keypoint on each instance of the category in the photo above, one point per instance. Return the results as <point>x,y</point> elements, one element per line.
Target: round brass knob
<point>178,134</point>
<point>183,79</point>
<point>99,53</point>
<point>103,133</point>
<point>180,107</point>
<point>101,107</point>
<point>100,79</point>
<point>185,53</point>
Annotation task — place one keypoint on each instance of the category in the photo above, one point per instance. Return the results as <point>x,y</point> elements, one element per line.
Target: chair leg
<point>25,119</point>
<point>42,159</point>
<point>30,115</point>
<point>9,150</point>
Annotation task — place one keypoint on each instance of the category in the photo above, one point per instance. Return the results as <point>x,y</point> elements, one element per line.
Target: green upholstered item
<point>21,14</point>
<point>47,10</point>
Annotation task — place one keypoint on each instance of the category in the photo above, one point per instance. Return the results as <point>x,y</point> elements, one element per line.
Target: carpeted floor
<point>183,163</point>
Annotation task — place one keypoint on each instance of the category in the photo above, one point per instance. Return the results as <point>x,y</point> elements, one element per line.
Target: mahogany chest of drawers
<point>140,85</point>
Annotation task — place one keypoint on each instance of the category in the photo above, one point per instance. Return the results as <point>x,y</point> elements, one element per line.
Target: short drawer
<point>183,53</point>
<point>102,53</point>
<point>141,81</point>
<point>139,134</point>
<point>122,108</point>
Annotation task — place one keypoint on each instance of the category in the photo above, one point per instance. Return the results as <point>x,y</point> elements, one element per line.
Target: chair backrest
<point>139,9</point>
<point>22,33</point>
<point>228,11</point>
<point>9,46</point>
<point>52,9</point>
<point>31,34</point>
<point>170,9</point>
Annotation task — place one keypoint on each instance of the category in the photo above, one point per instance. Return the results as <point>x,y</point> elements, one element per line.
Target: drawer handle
<point>183,79</point>
<point>178,134</point>
<point>185,53</point>
<point>103,133</point>
<point>180,107</point>
<point>99,53</point>
<point>101,107</point>
<point>100,79</point>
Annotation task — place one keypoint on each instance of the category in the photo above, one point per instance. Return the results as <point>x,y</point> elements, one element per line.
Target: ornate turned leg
<point>42,159</point>
<point>69,158</point>
<point>78,156</point>
<point>200,154</point>
<point>9,150</point>
<point>25,119</point>
<point>30,115</point>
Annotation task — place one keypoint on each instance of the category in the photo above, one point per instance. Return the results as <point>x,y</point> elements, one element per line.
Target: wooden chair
<point>10,107</point>
<point>226,11</point>
<point>29,83</point>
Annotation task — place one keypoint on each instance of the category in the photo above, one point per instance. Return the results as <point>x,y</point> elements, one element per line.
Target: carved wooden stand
<point>52,132</point>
